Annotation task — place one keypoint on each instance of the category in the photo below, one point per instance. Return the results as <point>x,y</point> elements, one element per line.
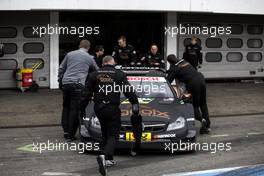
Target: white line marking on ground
<point>60,173</point>
<point>209,172</point>
<point>220,135</point>
<point>255,133</point>
<point>203,172</point>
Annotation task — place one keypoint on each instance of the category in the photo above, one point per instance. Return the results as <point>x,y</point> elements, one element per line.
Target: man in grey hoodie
<point>72,75</point>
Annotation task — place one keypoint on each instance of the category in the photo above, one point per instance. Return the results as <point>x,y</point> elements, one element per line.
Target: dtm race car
<point>166,116</point>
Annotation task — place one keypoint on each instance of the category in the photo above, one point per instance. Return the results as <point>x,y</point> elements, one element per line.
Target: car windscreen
<point>150,87</point>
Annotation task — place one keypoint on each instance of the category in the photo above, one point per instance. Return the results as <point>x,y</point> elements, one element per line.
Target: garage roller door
<point>238,55</point>
<point>22,48</point>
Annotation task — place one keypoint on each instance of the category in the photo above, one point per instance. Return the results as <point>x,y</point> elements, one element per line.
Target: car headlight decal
<point>177,124</point>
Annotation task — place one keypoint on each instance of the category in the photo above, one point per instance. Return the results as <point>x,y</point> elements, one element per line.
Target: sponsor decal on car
<point>164,136</point>
<point>146,79</point>
<point>140,100</point>
<point>146,111</point>
<point>146,136</point>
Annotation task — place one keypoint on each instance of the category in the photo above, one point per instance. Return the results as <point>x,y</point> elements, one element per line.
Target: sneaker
<point>101,163</point>
<point>204,129</point>
<point>133,153</point>
<point>135,149</point>
<point>110,163</point>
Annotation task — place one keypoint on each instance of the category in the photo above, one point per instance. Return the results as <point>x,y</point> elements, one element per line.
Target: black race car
<point>166,116</point>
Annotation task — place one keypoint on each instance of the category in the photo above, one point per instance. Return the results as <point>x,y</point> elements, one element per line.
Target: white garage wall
<point>171,43</point>
<point>223,6</point>
<point>54,52</point>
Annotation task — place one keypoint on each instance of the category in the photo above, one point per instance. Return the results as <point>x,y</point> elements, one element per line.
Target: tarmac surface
<point>44,107</point>
<point>237,138</point>
<point>243,134</point>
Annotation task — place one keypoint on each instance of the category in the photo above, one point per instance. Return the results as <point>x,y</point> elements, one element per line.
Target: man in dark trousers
<point>105,85</point>
<point>193,53</point>
<point>124,54</point>
<point>72,74</point>
<point>195,84</point>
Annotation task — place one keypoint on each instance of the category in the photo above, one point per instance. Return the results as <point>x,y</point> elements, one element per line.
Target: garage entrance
<point>22,48</point>
<point>238,55</point>
<point>141,29</point>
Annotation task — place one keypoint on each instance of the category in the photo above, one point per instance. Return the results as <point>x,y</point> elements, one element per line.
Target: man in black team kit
<point>193,53</point>
<point>98,56</point>
<point>195,84</point>
<point>152,58</point>
<point>105,86</point>
<point>124,54</point>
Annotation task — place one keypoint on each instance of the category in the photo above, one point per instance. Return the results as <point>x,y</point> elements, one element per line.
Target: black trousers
<point>84,103</point>
<point>110,121</point>
<point>198,90</point>
<point>71,108</point>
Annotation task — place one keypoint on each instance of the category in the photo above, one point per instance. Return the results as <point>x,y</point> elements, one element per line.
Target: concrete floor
<point>244,133</point>
<point>230,103</point>
<point>44,107</point>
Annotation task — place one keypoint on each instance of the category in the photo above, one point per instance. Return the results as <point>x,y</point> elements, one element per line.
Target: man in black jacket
<point>193,53</point>
<point>98,55</point>
<point>106,85</point>
<point>152,58</point>
<point>195,84</point>
<point>124,54</point>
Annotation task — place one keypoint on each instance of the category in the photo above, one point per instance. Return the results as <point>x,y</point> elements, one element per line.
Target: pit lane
<point>245,133</point>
